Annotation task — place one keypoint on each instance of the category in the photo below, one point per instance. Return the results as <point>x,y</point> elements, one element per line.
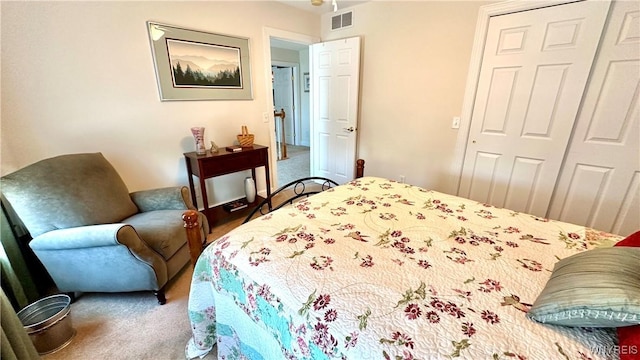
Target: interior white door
<point>283,99</point>
<point>534,69</point>
<point>335,79</point>
<point>599,185</point>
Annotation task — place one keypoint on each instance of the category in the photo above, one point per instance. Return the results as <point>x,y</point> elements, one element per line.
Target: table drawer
<point>232,163</point>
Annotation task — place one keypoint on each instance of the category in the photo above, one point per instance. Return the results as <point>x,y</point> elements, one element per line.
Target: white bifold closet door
<point>534,70</point>
<point>599,185</point>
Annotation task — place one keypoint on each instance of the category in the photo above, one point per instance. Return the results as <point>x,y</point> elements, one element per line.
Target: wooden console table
<point>221,163</point>
<point>190,217</point>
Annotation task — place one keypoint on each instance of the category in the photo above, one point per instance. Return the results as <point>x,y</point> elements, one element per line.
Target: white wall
<point>415,59</point>
<point>285,55</point>
<point>79,77</point>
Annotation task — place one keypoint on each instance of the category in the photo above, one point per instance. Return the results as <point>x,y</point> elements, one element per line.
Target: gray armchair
<point>91,234</point>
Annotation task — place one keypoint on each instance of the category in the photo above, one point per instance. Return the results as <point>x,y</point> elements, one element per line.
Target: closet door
<point>599,185</point>
<point>534,70</point>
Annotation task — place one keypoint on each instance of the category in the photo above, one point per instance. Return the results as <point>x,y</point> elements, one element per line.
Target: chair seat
<point>160,229</point>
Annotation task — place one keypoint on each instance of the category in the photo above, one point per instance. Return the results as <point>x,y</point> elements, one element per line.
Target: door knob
<point>349,129</point>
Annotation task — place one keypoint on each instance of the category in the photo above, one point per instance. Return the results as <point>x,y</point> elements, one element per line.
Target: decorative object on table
<point>235,205</point>
<point>198,136</point>
<point>214,147</point>
<point>233,148</point>
<point>220,164</point>
<point>250,189</point>
<point>245,139</point>
<point>175,48</point>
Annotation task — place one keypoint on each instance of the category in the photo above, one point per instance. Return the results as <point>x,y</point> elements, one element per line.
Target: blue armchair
<point>91,234</point>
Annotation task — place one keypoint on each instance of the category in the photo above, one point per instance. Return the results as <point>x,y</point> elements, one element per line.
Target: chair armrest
<point>85,237</point>
<point>114,236</point>
<point>169,198</point>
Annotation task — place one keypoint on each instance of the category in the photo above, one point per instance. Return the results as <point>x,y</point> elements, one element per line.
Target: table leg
<point>253,176</point>
<point>205,203</point>
<point>267,178</point>
<point>191,186</point>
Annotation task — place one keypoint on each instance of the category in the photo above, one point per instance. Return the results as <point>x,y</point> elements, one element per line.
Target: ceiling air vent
<point>342,21</point>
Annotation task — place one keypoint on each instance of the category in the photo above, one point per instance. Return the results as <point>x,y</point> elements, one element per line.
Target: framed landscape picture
<point>196,65</point>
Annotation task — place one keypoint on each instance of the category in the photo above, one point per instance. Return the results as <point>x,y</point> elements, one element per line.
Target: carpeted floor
<point>296,165</point>
<point>131,325</point>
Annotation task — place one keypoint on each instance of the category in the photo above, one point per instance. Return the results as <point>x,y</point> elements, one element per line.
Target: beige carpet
<point>133,325</point>
<point>130,325</point>
<point>296,166</point>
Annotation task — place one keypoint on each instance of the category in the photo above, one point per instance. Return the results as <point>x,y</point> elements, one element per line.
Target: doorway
<point>289,64</point>
<point>332,99</point>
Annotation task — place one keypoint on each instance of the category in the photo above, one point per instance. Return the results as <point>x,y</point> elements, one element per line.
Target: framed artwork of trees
<point>196,65</point>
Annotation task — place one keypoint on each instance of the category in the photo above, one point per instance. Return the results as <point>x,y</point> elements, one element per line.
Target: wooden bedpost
<point>359,168</point>
<point>190,218</point>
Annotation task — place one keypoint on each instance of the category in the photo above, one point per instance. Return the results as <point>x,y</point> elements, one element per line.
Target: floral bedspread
<point>376,269</point>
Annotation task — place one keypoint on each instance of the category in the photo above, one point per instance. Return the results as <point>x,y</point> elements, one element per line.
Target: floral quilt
<point>376,269</point>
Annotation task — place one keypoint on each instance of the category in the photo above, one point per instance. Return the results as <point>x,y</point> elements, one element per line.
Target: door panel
<point>545,94</point>
<point>334,96</point>
<point>617,105</point>
<point>499,101</point>
<point>484,173</point>
<point>586,184</point>
<point>525,176</point>
<point>534,70</point>
<point>323,142</point>
<point>599,184</point>
<point>626,221</point>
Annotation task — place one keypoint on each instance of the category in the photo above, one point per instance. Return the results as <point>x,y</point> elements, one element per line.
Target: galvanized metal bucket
<point>48,323</point>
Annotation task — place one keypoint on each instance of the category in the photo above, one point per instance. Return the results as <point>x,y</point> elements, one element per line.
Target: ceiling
<point>326,6</point>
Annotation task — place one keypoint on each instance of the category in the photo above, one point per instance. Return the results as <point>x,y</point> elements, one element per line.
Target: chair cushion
<point>68,191</point>
<point>162,230</point>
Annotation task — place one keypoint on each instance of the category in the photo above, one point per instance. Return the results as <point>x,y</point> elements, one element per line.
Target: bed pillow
<point>629,342</point>
<point>631,240</point>
<point>594,288</point>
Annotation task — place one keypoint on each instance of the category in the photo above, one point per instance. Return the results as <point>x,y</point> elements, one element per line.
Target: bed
<point>376,269</point>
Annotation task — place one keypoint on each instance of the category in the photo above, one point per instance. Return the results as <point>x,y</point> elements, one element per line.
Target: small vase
<point>250,189</point>
<point>198,136</point>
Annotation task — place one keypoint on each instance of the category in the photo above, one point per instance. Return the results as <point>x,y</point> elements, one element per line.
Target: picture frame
<point>306,81</point>
<point>197,65</point>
